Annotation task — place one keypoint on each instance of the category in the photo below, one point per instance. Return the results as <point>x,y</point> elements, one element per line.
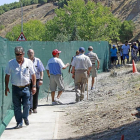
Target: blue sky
<point>2,2</point>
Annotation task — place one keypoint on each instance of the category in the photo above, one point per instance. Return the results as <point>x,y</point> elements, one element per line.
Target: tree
<point>93,21</point>
<point>126,30</point>
<point>26,2</point>
<point>1,10</point>
<point>113,30</point>
<point>42,1</point>
<point>61,3</point>
<point>34,1</point>
<point>74,35</point>
<point>33,30</point>
<point>2,27</point>
<point>62,37</point>
<point>15,5</point>
<point>6,8</point>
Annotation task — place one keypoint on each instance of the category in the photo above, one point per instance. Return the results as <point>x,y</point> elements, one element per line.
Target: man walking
<point>137,41</point>
<point>93,57</point>
<point>20,69</point>
<point>81,67</point>
<point>39,68</point>
<point>126,50</point>
<point>77,53</point>
<point>53,68</point>
<point>113,52</point>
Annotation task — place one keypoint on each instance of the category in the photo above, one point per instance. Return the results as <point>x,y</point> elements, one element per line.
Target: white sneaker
<point>77,95</point>
<point>82,97</point>
<point>54,103</point>
<point>78,91</point>
<point>58,101</point>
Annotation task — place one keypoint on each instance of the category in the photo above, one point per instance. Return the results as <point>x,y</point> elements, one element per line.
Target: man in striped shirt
<point>93,57</point>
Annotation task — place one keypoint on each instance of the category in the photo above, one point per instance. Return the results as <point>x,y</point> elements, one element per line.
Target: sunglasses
<point>18,54</point>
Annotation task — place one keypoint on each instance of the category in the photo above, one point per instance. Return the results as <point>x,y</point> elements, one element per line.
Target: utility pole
<point>138,3</point>
<point>21,36</point>
<point>21,16</point>
<point>109,3</point>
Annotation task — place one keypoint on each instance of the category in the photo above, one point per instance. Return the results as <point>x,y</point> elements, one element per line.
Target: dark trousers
<point>21,96</point>
<point>34,98</point>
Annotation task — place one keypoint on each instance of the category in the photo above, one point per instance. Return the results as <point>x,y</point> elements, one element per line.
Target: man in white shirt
<point>39,68</point>
<point>20,69</point>
<point>53,68</point>
<point>81,67</point>
<point>125,51</point>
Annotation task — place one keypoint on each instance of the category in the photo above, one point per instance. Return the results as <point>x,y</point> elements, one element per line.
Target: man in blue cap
<point>113,52</point>
<point>81,67</point>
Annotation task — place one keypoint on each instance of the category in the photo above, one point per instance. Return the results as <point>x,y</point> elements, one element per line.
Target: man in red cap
<point>53,68</point>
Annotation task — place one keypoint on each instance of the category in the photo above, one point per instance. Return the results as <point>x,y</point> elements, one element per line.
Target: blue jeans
<point>21,96</point>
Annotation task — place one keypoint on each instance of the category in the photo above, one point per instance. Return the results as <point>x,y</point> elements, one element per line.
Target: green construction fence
<point>43,50</point>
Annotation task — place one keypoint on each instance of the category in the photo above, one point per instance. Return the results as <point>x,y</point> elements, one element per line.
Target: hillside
<point>129,10</point>
<point>123,9</point>
<point>13,17</point>
<point>112,109</point>
<point>126,10</point>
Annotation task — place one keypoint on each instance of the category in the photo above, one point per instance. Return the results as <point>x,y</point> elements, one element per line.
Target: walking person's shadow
<point>7,128</point>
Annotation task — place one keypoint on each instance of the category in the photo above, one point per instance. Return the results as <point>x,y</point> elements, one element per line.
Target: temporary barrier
<point>134,67</point>
<point>43,50</point>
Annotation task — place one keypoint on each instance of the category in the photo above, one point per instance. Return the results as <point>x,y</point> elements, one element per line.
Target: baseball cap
<point>54,52</point>
<point>114,46</point>
<point>90,47</point>
<point>81,49</point>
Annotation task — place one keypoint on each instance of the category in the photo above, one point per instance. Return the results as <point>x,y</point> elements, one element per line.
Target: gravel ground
<point>111,111</point>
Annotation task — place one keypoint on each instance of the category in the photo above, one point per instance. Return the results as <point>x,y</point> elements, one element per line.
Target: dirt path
<point>110,111</point>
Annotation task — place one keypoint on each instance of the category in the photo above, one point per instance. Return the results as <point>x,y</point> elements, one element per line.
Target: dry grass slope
<point>13,17</point>
<point>112,110</point>
<point>123,9</point>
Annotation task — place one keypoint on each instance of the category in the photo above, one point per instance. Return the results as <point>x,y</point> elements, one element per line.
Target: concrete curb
<point>56,126</point>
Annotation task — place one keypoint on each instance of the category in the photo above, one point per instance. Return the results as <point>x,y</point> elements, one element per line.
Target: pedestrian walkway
<point>44,124</point>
